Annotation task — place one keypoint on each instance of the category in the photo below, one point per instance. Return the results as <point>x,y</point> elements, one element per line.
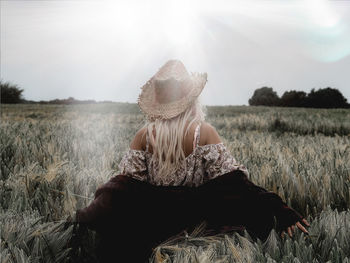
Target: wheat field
<point>53,157</point>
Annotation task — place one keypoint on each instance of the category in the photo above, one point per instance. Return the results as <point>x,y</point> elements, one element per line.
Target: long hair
<point>168,140</point>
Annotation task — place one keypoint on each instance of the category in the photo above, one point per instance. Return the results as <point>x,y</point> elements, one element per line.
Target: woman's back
<point>206,157</point>
<point>205,133</point>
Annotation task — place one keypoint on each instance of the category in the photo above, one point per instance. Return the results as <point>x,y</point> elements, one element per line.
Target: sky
<point>106,50</point>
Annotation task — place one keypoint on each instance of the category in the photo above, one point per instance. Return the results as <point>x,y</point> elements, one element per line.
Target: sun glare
<point>147,27</point>
<point>178,22</point>
<point>174,20</point>
<point>321,13</point>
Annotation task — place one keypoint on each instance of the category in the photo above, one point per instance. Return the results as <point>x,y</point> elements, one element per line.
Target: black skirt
<point>133,217</point>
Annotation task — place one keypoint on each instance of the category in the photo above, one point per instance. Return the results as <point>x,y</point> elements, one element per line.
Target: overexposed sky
<point>106,50</point>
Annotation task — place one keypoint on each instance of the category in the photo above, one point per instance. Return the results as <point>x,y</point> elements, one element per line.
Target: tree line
<point>321,98</point>
<point>11,93</point>
<point>266,96</point>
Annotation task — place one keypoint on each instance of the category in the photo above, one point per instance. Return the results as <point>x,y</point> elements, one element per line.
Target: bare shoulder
<point>209,135</point>
<point>139,141</point>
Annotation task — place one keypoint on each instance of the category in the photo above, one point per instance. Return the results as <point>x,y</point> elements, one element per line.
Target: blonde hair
<point>167,145</point>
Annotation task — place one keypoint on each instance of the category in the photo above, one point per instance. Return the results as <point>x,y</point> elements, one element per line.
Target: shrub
<point>10,93</point>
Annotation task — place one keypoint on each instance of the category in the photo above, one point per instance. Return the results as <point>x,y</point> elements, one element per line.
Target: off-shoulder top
<point>204,163</point>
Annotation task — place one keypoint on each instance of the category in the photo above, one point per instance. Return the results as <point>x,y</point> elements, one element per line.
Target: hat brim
<point>154,110</point>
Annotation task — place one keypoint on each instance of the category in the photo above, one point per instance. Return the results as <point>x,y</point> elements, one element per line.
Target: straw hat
<point>170,91</point>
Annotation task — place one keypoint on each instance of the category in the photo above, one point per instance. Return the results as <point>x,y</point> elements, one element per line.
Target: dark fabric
<point>133,217</point>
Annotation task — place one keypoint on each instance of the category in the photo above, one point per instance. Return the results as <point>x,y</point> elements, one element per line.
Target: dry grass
<point>54,157</point>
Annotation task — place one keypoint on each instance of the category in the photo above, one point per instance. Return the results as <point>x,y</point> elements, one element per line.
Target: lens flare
<point>327,37</point>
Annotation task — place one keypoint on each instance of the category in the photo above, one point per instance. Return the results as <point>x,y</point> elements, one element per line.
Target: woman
<point>178,173</point>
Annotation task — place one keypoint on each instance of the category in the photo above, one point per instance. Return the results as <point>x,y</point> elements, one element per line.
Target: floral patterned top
<point>204,163</point>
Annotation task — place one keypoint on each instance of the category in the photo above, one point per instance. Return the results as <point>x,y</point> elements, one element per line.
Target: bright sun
<point>148,21</point>
<point>151,26</point>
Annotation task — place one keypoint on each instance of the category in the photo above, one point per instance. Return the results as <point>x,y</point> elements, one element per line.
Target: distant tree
<point>326,98</point>
<point>10,93</point>
<point>293,98</point>
<point>70,100</point>
<point>264,96</point>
